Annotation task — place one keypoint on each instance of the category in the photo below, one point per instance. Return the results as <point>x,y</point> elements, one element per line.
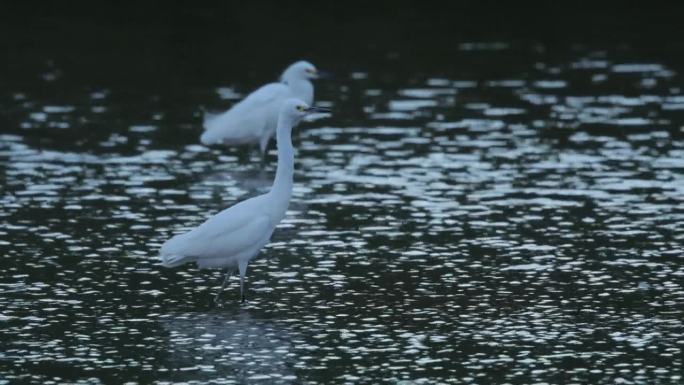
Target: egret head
<point>300,70</point>
<point>295,110</point>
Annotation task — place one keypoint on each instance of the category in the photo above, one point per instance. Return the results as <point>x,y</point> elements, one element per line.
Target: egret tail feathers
<point>208,117</point>
<point>208,137</point>
<point>174,260</point>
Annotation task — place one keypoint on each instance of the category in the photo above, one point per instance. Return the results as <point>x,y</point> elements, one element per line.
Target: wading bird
<point>231,238</point>
<point>254,119</point>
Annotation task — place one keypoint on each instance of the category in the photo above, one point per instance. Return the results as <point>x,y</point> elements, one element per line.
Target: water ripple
<point>519,229</point>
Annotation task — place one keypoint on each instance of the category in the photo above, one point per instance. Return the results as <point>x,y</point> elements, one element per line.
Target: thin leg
<point>264,158</point>
<point>243,270</point>
<point>263,144</point>
<point>223,286</point>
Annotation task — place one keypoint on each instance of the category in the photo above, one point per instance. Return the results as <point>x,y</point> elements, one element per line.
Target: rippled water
<point>523,228</point>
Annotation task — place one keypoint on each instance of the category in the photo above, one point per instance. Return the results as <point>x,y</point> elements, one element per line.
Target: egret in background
<point>231,238</point>
<point>254,119</point>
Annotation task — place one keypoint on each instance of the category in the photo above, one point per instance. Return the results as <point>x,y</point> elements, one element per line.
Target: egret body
<point>254,119</point>
<point>233,237</point>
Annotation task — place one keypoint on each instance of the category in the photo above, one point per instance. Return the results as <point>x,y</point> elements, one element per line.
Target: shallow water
<point>523,228</point>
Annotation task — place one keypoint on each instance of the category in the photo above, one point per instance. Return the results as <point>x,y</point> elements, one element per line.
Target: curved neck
<point>301,89</point>
<point>282,184</point>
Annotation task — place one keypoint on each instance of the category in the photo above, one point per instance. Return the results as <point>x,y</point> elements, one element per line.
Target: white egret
<point>254,119</point>
<point>231,238</point>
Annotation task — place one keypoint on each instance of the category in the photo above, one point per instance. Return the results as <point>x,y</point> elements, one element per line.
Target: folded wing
<point>236,232</point>
<point>246,121</point>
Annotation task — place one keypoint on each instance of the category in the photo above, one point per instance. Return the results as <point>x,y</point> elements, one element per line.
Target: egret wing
<point>228,233</point>
<point>246,121</point>
<point>267,93</point>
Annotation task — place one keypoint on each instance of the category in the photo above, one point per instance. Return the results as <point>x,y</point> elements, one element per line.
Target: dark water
<point>523,225</point>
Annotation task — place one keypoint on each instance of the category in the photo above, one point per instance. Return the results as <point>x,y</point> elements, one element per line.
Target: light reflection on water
<point>201,345</point>
<point>519,229</point>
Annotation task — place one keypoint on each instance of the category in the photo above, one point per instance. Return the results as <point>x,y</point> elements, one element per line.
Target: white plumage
<point>231,238</point>
<point>212,244</point>
<point>254,119</point>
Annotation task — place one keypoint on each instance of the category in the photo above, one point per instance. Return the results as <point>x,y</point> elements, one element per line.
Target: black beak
<point>324,74</point>
<point>317,109</point>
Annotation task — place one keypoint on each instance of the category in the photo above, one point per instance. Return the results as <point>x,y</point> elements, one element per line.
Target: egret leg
<point>223,286</point>
<point>243,270</point>
<point>263,145</point>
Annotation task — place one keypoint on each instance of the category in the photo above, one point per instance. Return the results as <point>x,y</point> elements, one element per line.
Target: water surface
<point>523,227</point>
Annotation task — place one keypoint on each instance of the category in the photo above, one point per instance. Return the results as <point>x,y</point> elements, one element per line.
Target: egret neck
<point>302,89</point>
<point>282,184</point>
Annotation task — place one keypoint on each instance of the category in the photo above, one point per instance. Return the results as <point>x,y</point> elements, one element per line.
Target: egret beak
<point>311,110</point>
<point>323,75</point>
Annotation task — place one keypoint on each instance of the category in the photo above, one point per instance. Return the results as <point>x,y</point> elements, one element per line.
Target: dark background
<point>200,43</point>
<point>521,205</point>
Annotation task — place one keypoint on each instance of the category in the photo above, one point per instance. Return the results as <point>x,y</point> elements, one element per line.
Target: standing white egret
<point>231,238</point>
<point>254,119</point>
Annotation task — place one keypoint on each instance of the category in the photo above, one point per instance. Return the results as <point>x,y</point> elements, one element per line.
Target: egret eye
<point>300,108</point>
